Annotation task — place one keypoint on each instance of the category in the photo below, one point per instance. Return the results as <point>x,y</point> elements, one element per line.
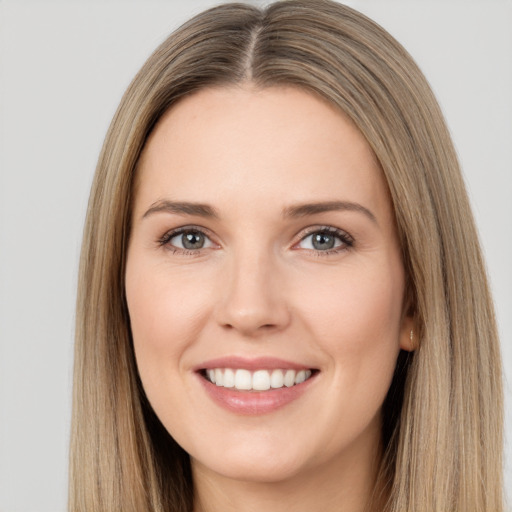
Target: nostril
<point>265,327</point>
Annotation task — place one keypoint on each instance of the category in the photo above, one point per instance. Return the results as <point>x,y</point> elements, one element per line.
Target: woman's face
<point>263,252</point>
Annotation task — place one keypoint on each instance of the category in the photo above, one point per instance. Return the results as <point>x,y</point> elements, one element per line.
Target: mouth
<point>254,386</point>
<point>241,379</point>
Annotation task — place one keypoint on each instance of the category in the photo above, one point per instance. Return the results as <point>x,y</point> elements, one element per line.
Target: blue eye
<point>187,239</point>
<point>325,240</point>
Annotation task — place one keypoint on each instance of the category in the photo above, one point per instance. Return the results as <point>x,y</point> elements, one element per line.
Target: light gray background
<point>63,68</point>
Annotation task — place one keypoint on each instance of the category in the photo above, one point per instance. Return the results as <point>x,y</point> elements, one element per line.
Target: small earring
<point>411,336</point>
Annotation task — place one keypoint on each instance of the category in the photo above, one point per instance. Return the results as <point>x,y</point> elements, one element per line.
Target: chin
<point>263,466</point>
<point>267,472</point>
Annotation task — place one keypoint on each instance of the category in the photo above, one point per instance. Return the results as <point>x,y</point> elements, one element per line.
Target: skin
<point>260,288</point>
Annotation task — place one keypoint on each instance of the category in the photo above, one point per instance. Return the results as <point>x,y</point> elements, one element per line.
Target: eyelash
<point>347,242</point>
<point>167,237</point>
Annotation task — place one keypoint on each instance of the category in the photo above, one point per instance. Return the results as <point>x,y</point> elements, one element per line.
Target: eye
<point>187,239</point>
<point>326,239</point>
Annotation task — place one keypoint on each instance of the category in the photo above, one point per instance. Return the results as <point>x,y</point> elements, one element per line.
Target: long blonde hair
<point>442,419</point>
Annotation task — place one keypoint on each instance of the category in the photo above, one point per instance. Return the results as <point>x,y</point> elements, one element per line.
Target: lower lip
<point>254,402</point>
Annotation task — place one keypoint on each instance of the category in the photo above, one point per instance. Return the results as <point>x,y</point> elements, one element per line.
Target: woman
<point>277,231</point>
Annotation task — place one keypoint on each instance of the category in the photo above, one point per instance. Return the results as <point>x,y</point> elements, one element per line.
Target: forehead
<point>243,143</point>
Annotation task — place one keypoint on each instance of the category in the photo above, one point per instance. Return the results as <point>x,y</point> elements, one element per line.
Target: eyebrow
<point>303,210</point>
<point>300,210</point>
<point>182,208</point>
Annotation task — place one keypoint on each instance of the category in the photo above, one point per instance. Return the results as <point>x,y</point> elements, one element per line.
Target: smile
<point>259,380</point>
<point>255,386</point>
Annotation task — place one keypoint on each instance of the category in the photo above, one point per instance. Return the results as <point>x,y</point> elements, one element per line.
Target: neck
<point>345,483</point>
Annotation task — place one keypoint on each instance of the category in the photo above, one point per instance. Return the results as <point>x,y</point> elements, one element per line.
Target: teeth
<point>277,379</point>
<point>243,379</point>
<point>289,378</point>
<point>300,377</point>
<point>260,380</point>
<point>219,377</point>
<point>229,378</point>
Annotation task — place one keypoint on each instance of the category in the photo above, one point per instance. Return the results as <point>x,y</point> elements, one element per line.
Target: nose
<point>252,298</point>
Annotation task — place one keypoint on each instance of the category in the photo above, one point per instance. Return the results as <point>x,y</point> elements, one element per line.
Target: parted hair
<point>442,417</point>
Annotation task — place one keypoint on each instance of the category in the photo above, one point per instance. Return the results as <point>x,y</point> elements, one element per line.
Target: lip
<point>253,403</point>
<point>253,364</point>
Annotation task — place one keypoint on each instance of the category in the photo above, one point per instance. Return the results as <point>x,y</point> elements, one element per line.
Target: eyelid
<point>346,239</point>
<point>164,240</point>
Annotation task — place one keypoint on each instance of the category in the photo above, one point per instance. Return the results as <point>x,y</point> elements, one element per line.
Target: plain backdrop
<point>63,68</point>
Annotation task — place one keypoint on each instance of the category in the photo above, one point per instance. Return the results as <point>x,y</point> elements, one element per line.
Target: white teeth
<point>289,378</point>
<point>243,379</point>
<point>260,380</point>
<point>300,377</point>
<point>277,379</point>
<point>229,378</point>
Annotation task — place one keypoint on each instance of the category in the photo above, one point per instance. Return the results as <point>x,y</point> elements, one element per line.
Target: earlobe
<point>409,335</point>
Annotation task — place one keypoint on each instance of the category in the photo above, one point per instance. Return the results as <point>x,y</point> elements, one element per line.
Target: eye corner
<point>199,239</point>
<point>330,240</point>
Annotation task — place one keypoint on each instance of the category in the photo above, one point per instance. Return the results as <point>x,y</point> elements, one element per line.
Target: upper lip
<point>258,363</point>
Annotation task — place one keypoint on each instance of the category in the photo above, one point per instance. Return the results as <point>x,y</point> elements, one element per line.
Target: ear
<point>408,333</point>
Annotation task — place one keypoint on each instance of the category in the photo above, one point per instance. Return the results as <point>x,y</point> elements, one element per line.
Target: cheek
<point>165,318</point>
<point>360,304</point>
<point>356,321</point>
